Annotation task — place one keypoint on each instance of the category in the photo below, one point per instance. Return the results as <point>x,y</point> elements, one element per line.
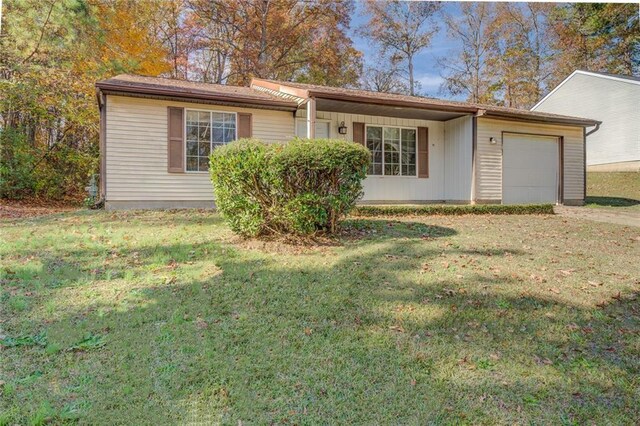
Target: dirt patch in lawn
<point>32,208</point>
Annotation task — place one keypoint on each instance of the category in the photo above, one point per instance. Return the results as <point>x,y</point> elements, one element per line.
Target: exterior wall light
<point>492,140</point>
<point>342,129</point>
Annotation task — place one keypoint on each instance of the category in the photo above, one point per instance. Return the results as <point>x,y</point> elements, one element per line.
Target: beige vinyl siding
<point>489,157</point>
<point>136,146</point>
<point>458,140</point>
<point>396,188</point>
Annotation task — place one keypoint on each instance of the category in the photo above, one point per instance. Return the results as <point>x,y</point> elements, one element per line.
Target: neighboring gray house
<point>157,134</point>
<point>612,99</point>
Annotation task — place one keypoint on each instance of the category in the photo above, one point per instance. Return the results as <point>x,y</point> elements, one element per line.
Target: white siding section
<point>397,188</point>
<point>136,146</point>
<point>489,157</point>
<point>614,102</point>
<point>458,145</point>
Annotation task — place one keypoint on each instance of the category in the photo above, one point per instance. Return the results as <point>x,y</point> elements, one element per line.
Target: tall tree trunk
<point>262,55</point>
<point>411,82</point>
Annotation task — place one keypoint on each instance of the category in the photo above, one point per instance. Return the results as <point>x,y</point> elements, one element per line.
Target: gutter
<point>130,90</point>
<point>542,119</point>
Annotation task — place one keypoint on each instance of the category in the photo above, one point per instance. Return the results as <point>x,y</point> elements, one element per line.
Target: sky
<point>426,67</point>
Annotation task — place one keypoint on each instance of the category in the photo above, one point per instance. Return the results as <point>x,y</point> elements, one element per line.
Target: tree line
<point>53,51</point>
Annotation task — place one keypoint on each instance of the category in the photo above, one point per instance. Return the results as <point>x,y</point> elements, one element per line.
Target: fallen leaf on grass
<point>201,324</point>
<point>542,361</point>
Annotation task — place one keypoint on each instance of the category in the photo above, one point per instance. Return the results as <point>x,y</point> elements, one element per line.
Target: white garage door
<point>529,169</point>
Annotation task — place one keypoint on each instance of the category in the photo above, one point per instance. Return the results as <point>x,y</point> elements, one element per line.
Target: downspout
<point>102,107</point>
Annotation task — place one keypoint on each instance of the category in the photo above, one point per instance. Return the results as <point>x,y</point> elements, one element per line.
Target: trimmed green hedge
<point>451,210</point>
<point>299,187</point>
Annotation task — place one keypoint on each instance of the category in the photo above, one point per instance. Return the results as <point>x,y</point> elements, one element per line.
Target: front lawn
<point>166,317</point>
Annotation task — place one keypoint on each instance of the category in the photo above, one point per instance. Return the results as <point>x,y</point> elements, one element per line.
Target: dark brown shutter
<point>175,150</point>
<point>245,129</point>
<point>358,133</point>
<point>423,152</point>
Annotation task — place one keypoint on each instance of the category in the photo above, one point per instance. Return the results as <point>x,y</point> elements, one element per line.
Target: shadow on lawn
<point>356,340</point>
<point>612,201</point>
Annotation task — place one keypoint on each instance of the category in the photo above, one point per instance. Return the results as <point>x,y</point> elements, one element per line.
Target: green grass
<point>165,317</point>
<point>613,189</point>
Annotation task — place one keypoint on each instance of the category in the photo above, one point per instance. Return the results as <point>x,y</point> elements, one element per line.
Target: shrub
<point>300,187</point>
<point>452,210</point>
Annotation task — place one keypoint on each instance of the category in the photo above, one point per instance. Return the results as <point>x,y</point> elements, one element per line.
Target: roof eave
<point>112,88</point>
<point>542,119</point>
<point>391,102</point>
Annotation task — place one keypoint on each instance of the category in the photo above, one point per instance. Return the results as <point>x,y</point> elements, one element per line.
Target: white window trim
<point>366,126</point>
<point>184,129</point>
<point>318,120</point>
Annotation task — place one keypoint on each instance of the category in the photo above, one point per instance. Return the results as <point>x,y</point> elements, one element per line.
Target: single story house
<point>157,134</point>
<point>612,99</point>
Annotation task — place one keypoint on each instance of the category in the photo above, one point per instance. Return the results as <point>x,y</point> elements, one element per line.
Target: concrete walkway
<point>608,215</point>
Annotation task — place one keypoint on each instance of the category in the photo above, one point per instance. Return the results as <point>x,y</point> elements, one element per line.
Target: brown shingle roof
<point>288,95</point>
<point>158,86</point>
<point>357,95</point>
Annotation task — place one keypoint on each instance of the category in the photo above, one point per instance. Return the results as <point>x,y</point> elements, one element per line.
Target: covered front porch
<point>392,133</point>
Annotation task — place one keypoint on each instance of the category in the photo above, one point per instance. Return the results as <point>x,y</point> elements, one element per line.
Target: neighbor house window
<point>205,131</point>
<point>393,151</point>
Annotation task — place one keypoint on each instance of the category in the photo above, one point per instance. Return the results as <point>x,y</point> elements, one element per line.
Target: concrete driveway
<point>608,215</point>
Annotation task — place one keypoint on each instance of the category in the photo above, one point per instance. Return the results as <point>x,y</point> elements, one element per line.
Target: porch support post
<point>311,118</point>
<point>474,148</point>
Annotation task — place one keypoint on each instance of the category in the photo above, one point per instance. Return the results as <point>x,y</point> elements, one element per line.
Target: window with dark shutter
<point>423,152</point>
<point>245,125</point>
<point>175,131</point>
<point>358,133</point>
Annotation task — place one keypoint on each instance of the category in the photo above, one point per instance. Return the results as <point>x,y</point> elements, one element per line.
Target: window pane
<point>391,133</point>
<point>229,134</point>
<point>204,164</point>
<point>192,117</point>
<point>224,127</point>
<point>374,143</point>
<point>411,170</point>
<point>192,132</point>
<point>374,132</point>
<point>391,169</point>
<point>204,149</point>
<point>408,152</point>
<point>192,148</point>
<point>408,135</point>
<point>218,119</point>
<point>192,164</point>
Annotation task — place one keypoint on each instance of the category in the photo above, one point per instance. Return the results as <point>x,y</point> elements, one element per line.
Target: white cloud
<point>429,81</point>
